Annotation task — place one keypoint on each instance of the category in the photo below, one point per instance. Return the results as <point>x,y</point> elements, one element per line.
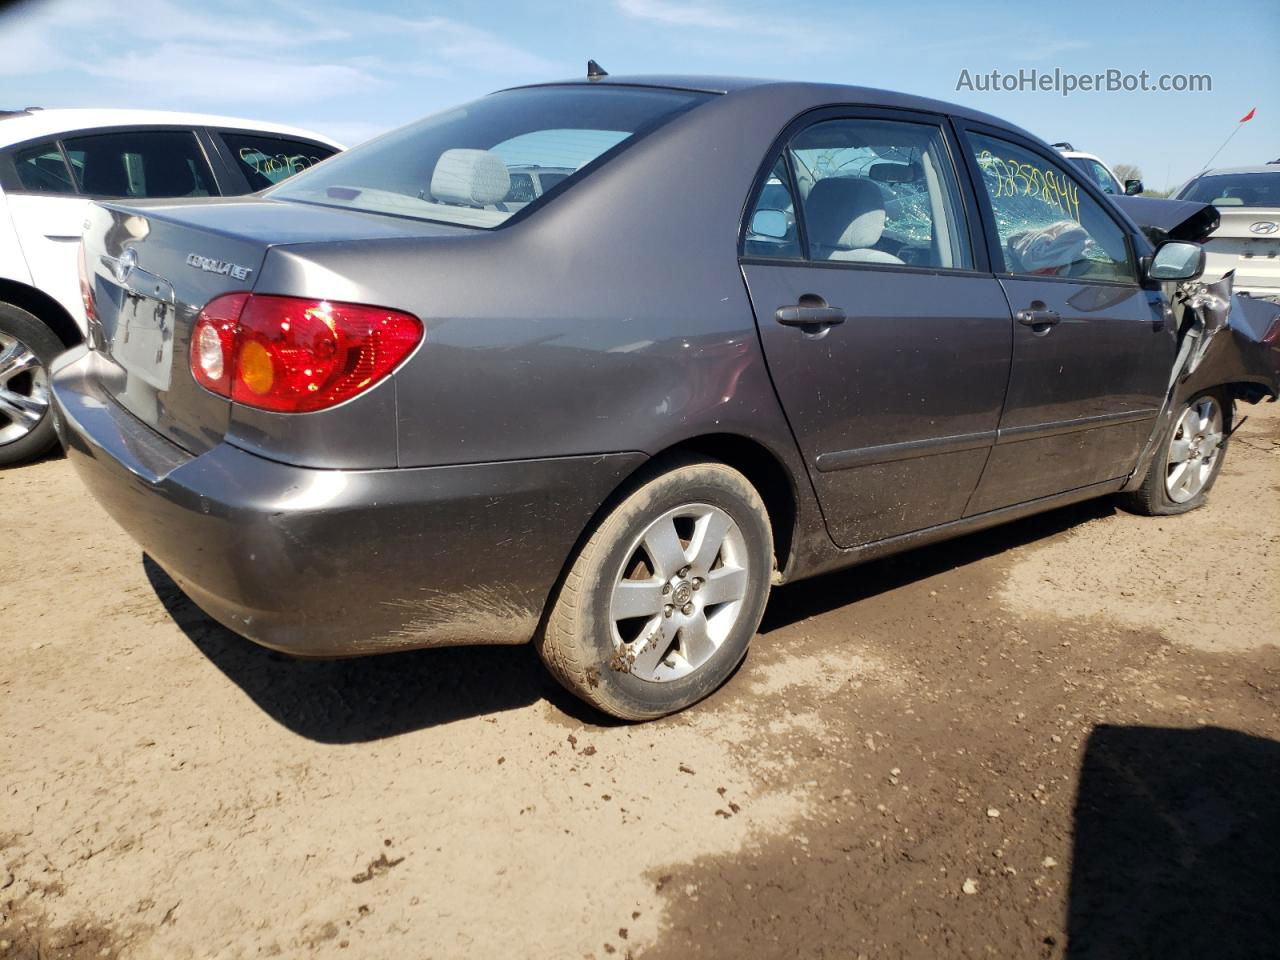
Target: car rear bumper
<point>337,562</point>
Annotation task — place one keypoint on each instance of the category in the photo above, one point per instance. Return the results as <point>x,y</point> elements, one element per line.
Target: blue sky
<point>355,69</point>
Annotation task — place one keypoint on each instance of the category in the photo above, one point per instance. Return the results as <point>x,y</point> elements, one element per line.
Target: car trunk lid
<point>1248,241</point>
<point>153,267</point>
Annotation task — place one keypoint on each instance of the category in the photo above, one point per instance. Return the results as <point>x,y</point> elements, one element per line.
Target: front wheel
<point>1189,459</point>
<point>664,598</point>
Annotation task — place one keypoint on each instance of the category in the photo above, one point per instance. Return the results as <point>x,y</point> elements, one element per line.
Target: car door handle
<point>1038,317</point>
<point>800,315</point>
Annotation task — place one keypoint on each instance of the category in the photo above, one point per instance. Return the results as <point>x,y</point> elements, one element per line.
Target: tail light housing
<point>291,355</point>
<point>86,288</point>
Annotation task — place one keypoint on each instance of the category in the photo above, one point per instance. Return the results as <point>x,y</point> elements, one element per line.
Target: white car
<point>53,164</point>
<point>1247,239</point>
<point>1097,171</point>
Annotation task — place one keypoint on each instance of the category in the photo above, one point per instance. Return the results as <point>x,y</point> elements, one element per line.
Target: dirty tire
<point>578,643</point>
<point>1152,498</point>
<point>16,323</point>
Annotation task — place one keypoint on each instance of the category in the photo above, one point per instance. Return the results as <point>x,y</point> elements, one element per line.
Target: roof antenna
<point>595,71</point>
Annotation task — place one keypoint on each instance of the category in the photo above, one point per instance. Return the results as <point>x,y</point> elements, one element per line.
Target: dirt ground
<point>1056,739</point>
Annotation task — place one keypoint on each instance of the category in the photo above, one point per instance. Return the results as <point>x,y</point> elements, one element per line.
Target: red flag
<point>1248,116</point>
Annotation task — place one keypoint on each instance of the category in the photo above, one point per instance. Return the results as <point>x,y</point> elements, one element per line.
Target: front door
<point>890,352</point>
<point>1092,351</point>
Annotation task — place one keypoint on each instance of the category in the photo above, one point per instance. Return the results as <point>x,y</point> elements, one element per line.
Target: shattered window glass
<point>1047,225</point>
<point>879,191</point>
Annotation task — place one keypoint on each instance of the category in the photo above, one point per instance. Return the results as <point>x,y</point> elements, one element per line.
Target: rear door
<point>887,338</point>
<point>1092,350</point>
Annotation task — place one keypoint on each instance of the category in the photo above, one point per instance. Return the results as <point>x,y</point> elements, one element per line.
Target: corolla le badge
<point>1264,227</point>
<point>125,265</point>
<point>224,267</point>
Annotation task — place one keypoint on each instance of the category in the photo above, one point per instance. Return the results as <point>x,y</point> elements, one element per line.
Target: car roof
<point>1069,154</point>
<point>819,94</point>
<point>33,124</point>
<point>1260,168</point>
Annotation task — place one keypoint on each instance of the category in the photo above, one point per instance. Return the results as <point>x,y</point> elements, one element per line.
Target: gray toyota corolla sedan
<point>747,332</point>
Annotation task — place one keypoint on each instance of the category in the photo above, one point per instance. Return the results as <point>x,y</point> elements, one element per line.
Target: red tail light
<point>86,288</point>
<point>295,356</point>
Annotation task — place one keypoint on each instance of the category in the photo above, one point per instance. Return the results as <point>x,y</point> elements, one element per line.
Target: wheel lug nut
<point>667,610</point>
<point>666,588</point>
<point>687,609</point>
<point>697,583</point>
<point>684,572</point>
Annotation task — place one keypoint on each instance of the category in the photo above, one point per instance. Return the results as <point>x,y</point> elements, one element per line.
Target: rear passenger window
<point>1047,225</point>
<point>41,169</point>
<point>140,163</point>
<point>879,192</point>
<point>266,161</point>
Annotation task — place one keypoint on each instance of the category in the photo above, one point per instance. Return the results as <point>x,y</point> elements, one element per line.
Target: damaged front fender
<point>1226,340</point>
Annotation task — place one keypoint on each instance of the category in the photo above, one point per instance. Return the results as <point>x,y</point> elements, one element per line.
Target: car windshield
<point>461,166</point>
<point>1235,190</point>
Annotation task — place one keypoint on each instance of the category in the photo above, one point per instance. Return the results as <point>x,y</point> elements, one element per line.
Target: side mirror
<point>1177,260</point>
<point>1133,187</point>
<point>773,224</point>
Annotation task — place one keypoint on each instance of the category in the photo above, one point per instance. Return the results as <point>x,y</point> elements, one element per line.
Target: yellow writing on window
<point>1010,178</point>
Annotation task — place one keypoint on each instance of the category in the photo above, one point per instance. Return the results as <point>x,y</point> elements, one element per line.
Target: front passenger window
<point>1047,225</point>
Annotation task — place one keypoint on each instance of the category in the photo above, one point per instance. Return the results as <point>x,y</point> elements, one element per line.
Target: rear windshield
<point>461,166</point>
<point>1235,190</point>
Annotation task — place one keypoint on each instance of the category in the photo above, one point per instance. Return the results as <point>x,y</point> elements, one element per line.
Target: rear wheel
<point>664,598</point>
<point>1189,459</point>
<point>27,348</point>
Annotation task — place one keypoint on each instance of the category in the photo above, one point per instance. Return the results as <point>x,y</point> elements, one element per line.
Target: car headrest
<point>475,178</point>
<point>844,213</point>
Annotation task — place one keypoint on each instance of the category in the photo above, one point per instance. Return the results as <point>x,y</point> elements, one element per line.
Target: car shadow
<point>1177,846</point>
<point>370,698</point>
<point>795,602</point>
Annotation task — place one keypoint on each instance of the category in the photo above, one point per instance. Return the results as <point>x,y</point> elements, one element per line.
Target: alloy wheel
<point>1194,449</point>
<point>678,593</point>
<point>24,390</point>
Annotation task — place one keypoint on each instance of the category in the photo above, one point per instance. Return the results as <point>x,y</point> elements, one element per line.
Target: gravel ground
<point>1059,738</point>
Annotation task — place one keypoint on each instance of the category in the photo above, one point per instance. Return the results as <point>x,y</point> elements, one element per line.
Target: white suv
<point>53,164</point>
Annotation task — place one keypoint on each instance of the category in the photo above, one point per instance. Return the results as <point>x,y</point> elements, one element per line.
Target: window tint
<point>1102,179</point>
<point>549,180</point>
<point>457,166</point>
<point>521,189</point>
<point>771,227</point>
<point>266,161</point>
<point>1046,224</point>
<point>879,192</point>
<point>140,163</point>
<point>1235,190</point>
<point>41,168</point>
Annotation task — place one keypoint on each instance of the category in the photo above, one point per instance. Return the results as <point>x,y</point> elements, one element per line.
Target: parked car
<point>763,331</point>
<point>530,181</point>
<point>1095,169</point>
<point>1247,239</point>
<point>53,163</point>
